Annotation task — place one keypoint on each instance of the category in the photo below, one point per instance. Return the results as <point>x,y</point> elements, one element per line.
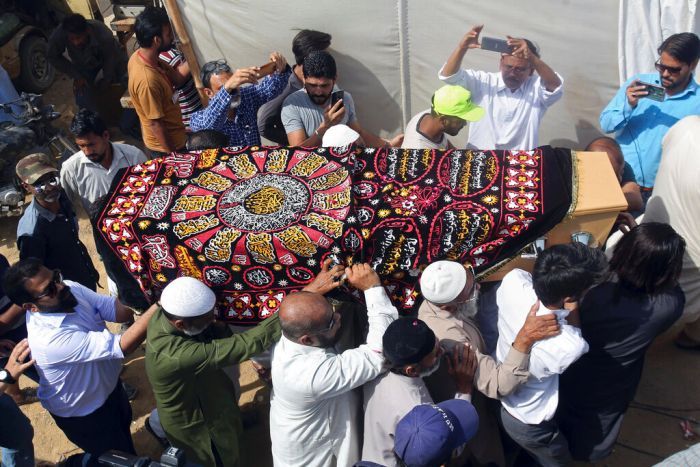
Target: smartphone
<point>656,93</point>
<point>267,69</point>
<point>495,45</point>
<point>337,96</point>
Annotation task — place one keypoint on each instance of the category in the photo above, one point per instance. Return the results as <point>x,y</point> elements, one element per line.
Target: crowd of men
<point>547,361</point>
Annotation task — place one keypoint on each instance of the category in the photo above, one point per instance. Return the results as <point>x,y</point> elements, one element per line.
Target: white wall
<point>389,52</point>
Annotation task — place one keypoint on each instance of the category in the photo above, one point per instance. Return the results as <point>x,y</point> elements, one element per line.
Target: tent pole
<point>185,45</point>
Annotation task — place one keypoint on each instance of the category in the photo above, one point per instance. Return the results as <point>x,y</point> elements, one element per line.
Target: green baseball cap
<point>456,101</point>
<point>32,167</point>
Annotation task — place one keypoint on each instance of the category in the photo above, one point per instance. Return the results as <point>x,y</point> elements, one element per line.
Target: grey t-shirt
<point>413,139</point>
<point>299,112</point>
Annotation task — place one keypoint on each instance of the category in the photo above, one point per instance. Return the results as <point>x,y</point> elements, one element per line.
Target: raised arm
<point>469,41</point>
<point>549,78</point>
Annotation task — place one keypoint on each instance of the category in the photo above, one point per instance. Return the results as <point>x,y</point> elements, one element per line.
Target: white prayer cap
<point>339,135</point>
<point>443,281</point>
<point>186,297</point>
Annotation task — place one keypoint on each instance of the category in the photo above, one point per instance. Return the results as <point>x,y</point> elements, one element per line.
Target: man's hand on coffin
<point>396,141</point>
<point>362,276</point>
<point>536,328</point>
<point>327,279</point>
<point>461,365</point>
<point>241,76</point>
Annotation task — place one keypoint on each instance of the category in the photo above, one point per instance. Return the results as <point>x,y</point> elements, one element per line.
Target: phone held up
<point>655,93</point>
<point>337,96</point>
<point>267,69</point>
<point>495,45</point>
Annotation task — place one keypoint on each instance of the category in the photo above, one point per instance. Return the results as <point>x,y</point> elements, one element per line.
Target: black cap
<point>407,341</point>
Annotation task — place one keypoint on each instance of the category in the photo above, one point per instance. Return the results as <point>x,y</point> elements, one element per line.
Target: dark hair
<point>320,64</point>
<point>307,41</point>
<point>684,47</point>
<point>206,139</point>
<point>15,277</point>
<point>74,24</point>
<point>606,140</point>
<point>149,25</point>
<point>213,68</point>
<point>567,270</point>
<point>86,122</point>
<point>649,257</point>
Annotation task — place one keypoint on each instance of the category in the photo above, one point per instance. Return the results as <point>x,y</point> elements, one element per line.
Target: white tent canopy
<point>389,53</point>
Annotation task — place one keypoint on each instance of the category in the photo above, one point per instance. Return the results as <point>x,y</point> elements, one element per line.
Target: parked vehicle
<point>31,132</point>
<point>24,53</point>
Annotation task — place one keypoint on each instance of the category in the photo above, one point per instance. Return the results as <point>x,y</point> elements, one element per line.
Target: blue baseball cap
<point>429,433</point>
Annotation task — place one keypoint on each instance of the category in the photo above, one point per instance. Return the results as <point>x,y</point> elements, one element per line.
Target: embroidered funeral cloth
<point>256,223</point>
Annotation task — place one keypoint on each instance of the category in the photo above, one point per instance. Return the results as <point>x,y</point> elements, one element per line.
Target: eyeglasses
<point>214,68</point>
<point>51,289</point>
<point>516,69</point>
<point>674,70</point>
<point>52,182</point>
<point>331,323</point>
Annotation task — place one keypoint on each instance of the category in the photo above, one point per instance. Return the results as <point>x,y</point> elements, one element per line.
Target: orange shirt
<point>152,95</point>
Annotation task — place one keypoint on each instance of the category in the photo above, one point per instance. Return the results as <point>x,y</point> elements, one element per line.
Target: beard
<point>429,371</point>
<point>319,99</point>
<point>66,302</point>
<point>195,331</point>
<point>96,158</point>
<point>470,308</point>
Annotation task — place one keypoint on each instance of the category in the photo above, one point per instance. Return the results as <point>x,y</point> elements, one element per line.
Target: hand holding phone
<point>267,69</point>
<point>495,45</point>
<point>654,92</point>
<point>337,96</point>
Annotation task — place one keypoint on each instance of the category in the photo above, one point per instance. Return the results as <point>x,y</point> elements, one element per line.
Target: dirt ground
<point>670,380</point>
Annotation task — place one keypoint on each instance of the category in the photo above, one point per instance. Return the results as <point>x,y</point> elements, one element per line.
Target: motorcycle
<point>30,130</point>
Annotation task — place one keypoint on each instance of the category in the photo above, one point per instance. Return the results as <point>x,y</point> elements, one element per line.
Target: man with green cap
<point>450,111</point>
<point>48,230</point>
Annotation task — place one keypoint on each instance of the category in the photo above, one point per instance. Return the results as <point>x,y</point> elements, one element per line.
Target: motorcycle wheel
<point>36,73</point>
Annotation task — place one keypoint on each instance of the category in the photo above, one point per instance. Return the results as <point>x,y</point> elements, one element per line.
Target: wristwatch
<point>6,377</point>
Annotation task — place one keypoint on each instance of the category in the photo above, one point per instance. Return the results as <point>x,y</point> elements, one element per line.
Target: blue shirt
<point>78,359</point>
<point>640,130</point>
<point>243,129</point>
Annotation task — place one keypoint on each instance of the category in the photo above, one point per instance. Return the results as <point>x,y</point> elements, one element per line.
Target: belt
<point>646,188</point>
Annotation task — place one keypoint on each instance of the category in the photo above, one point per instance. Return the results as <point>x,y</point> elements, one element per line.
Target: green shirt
<point>196,401</point>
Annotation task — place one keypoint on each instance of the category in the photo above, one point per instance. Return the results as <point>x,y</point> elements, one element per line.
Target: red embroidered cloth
<point>255,223</point>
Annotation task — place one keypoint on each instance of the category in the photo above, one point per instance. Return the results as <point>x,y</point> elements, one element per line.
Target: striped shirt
<point>187,95</point>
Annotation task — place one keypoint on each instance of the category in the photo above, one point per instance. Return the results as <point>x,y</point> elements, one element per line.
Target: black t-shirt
<point>619,325</point>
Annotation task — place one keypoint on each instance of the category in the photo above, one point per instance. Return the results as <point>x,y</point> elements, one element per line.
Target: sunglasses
<point>52,289</point>
<point>674,70</point>
<point>52,182</point>
<point>215,67</point>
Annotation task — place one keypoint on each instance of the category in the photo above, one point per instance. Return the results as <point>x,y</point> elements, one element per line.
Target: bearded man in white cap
<point>187,351</point>
<point>450,292</point>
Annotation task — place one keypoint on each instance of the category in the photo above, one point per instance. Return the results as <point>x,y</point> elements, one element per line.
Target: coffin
<point>255,224</point>
<point>598,201</point>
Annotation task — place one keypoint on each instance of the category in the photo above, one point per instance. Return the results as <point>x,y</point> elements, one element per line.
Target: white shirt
<point>78,359</point>
<point>88,181</point>
<point>413,139</point>
<point>313,410</point>
<point>536,400</point>
<point>512,118</point>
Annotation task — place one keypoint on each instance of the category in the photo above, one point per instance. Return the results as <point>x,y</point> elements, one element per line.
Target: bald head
<point>612,149</point>
<point>303,313</point>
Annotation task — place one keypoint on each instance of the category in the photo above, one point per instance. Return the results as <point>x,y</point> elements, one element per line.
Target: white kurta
<point>313,410</point>
<point>536,400</point>
<point>675,201</point>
